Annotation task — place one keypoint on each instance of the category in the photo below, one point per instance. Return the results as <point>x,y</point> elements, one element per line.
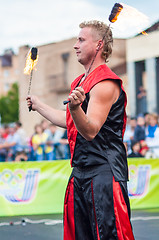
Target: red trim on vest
<point>97,75</point>
<point>69,222</point>
<point>98,237</point>
<point>124,229</point>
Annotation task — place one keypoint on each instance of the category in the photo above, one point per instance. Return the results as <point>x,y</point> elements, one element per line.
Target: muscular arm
<point>102,97</point>
<point>57,117</point>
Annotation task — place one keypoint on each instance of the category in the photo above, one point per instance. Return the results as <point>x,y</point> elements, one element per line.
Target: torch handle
<point>65,102</point>
<point>30,108</point>
<point>31,75</point>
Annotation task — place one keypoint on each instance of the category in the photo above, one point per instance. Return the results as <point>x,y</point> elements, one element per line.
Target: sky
<point>38,22</point>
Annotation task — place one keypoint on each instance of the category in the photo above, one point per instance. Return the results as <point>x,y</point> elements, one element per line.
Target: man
<point>96,202</point>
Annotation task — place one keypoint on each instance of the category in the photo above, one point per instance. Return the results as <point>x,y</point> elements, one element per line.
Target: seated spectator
<point>21,156</point>
<point>152,135</point>
<point>38,143</point>
<point>135,146</point>
<point>139,132</point>
<point>143,148</point>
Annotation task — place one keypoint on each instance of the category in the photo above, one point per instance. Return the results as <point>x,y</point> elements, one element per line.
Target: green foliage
<point>9,105</point>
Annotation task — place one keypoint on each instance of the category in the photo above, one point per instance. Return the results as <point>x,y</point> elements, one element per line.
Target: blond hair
<point>102,32</point>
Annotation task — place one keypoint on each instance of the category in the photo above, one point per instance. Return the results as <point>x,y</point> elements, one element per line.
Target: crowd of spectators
<point>46,143</point>
<point>141,137</point>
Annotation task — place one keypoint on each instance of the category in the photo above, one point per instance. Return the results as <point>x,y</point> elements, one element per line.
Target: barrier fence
<point>28,188</point>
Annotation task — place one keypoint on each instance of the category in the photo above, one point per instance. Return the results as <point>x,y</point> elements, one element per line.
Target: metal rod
<point>29,88</point>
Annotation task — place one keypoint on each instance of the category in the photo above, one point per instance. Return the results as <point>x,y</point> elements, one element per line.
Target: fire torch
<point>31,62</point>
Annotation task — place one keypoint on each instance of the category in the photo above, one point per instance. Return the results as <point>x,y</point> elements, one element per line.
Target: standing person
<point>129,133</point>
<point>96,202</point>
<point>142,101</point>
<point>22,134</point>
<point>139,133</point>
<point>39,143</point>
<point>152,134</point>
<point>54,150</point>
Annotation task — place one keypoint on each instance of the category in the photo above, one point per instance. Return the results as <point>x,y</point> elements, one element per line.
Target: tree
<point>9,105</point>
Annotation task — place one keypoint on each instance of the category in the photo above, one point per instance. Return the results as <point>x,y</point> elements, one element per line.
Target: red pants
<point>97,208</point>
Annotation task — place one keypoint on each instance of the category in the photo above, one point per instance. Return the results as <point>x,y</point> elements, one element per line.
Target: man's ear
<point>99,45</point>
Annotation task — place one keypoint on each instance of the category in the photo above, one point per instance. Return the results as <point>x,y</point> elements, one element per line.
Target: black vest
<point>107,146</point>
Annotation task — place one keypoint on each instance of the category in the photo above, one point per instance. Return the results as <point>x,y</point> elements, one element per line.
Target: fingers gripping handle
<point>30,108</point>
<point>65,102</point>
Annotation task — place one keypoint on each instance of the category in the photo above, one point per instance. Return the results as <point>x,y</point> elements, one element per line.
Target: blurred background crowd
<point>46,143</point>
<point>141,139</point>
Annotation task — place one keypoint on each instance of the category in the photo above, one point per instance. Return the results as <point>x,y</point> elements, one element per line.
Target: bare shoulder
<point>106,90</point>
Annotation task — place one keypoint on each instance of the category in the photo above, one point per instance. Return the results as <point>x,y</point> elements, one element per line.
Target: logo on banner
<point>139,180</point>
<point>19,186</point>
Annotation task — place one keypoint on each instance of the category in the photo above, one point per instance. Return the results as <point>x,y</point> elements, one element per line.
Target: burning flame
<point>30,64</point>
<point>130,22</point>
<point>144,33</point>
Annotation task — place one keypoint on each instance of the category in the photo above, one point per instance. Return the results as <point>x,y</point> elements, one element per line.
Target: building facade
<point>142,56</point>
<point>8,71</point>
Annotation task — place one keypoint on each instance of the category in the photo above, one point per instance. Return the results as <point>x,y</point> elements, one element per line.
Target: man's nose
<point>76,45</point>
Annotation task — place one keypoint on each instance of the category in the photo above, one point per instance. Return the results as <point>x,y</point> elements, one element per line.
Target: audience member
<point>139,132</point>
<point>12,144</point>
<point>45,127</point>
<point>146,116</point>
<point>22,134</point>
<point>38,142</point>
<point>21,156</point>
<point>3,151</point>
<point>6,131</point>
<point>129,133</point>
<point>135,147</point>
<point>64,142</point>
<point>142,101</point>
<point>152,134</point>
<point>54,150</point>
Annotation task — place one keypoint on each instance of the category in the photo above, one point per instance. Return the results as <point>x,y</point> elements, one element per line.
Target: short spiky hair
<point>103,32</point>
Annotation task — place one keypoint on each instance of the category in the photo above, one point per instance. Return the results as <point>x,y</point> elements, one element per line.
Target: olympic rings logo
<point>19,186</point>
<point>12,178</point>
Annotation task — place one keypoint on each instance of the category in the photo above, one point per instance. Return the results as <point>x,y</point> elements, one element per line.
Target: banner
<point>143,183</point>
<point>33,187</point>
<point>28,188</point>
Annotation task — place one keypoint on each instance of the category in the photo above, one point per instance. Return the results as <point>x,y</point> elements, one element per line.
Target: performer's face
<point>85,46</point>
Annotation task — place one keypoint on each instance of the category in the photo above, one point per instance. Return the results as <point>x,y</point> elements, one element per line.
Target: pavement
<point>50,227</point>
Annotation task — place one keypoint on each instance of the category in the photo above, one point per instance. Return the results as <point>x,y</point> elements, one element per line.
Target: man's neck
<point>96,64</point>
